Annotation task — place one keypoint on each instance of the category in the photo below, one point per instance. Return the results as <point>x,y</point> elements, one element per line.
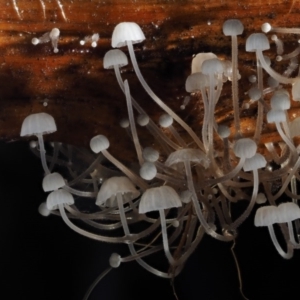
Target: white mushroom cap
<point>148,170</point>
<point>35,41</point>
<point>275,115</point>
<point>114,185</point>
<point>199,59</point>
<point>245,148</point>
<point>114,57</point>
<point>126,31</point>
<point>54,33</point>
<point>223,131</point>
<point>150,154</point>
<point>40,123</point>
<point>280,101</point>
<point>165,121</point>
<point>53,181</point>
<point>261,198</point>
<point>288,212</point>
<point>157,198</point>
<point>266,27</point>
<point>195,82</point>
<point>254,93</point>
<point>255,162</point>
<point>115,260</point>
<point>186,196</point>
<point>143,120</point>
<point>257,41</point>
<point>190,155</point>
<point>266,215</point>
<point>59,197</point>
<point>233,27</point>
<point>99,143</point>
<point>212,66</point>
<point>43,210</point>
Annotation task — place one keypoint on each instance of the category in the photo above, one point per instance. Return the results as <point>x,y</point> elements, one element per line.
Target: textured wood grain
<point>83,97</point>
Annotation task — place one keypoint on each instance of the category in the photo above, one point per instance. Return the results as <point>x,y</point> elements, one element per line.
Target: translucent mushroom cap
<point>115,260</point>
<point>266,216</point>
<point>195,82</point>
<point>186,196</point>
<point>190,155</point>
<point>212,66</point>
<point>99,143</point>
<point>114,57</point>
<point>143,120</point>
<point>111,187</point>
<point>257,41</point>
<point>223,131</point>
<point>296,90</point>
<point>59,197</point>
<point>254,93</point>
<point>288,212</point>
<point>255,162</point>
<point>280,101</point>
<point>43,210</point>
<point>126,31</point>
<point>199,59</point>
<point>245,148</point>
<point>148,170</point>
<point>165,120</point>
<point>157,198</point>
<point>53,181</point>
<point>150,154</point>
<point>233,27</point>
<point>295,127</point>
<point>275,115</point>
<point>261,198</point>
<point>54,33</point>
<point>40,123</point>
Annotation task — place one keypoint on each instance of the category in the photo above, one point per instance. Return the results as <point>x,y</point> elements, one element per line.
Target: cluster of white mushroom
<point>190,182</point>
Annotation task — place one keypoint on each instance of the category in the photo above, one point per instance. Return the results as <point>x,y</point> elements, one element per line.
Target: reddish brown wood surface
<point>83,97</point>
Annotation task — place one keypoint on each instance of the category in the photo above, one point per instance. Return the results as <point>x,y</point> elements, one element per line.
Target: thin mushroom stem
<point>158,100</point>
<point>199,213</point>
<point>43,153</point>
<point>286,255</point>
<point>132,124</point>
<point>165,237</point>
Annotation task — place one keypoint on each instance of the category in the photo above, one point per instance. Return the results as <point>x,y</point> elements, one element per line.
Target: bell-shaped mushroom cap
<point>165,120</point>
<point>114,57</point>
<point>199,59</point>
<point>295,127</point>
<point>43,210</point>
<point>254,93</point>
<point>99,143</point>
<point>261,198</point>
<point>288,212</point>
<point>266,27</point>
<point>280,101</point>
<point>124,123</point>
<point>40,123</point>
<point>148,170</point>
<point>245,148</point>
<point>162,197</point>
<point>233,27</point>
<point>59,197</point>
<point>190,155</point>
<point>257,41</point>
<point>186,196</point>
<point>266,216</point>
<point>126,31</point>
<point>115,260</point>
<point>53,181</point>
<point>275,115</point>
<point>143,120</point>
<point>150,154</point>
<point>114,185</point>
<point>223,131</point>
<point>296,90</point>
<point>255,162</point>
<point>54,33</point>
<point>195,82</point>
<point>212,66</point>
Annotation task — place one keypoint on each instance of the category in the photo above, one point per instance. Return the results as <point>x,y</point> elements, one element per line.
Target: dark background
<point>41,258</point>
